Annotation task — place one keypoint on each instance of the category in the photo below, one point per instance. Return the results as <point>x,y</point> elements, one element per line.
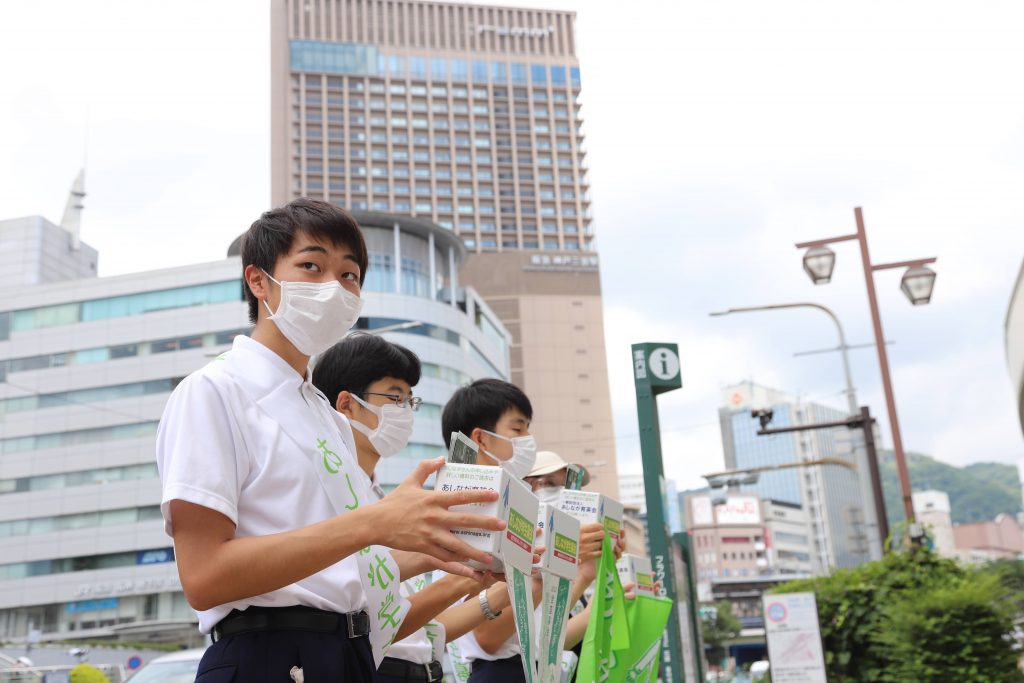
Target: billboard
<point>739,510</point>
<point>700,507</point>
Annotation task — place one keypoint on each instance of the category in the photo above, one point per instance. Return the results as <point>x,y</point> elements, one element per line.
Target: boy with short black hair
<point>497,416</point>
<point>272,533</point>
<point>371,381</point>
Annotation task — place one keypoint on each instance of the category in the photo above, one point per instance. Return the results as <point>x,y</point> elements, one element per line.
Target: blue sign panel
<point>91,605</point>
<point>154,556</point>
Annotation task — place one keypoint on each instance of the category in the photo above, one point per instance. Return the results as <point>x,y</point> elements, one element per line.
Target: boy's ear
<point>477,435</point>
<point>343,404</point>
<point>256,281</point>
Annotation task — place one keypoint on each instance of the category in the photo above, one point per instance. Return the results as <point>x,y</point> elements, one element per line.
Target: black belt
<point>297,618</point>
<point>400,668</point>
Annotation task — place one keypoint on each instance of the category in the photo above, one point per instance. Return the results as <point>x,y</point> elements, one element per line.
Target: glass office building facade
<point>830,494</point>
<point>454,119</point>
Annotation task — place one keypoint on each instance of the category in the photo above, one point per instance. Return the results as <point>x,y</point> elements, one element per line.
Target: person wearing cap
<point>548,476</point>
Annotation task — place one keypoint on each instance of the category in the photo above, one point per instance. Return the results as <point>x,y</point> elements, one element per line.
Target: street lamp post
<point>851,396</point>
<point>877,528</point>
<point>918,282</point>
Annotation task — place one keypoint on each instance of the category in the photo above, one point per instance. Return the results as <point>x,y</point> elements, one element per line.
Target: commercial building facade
<point>467,116</point>
<point>743,537</point>
<point>830,494</point>
<point>86,366</point>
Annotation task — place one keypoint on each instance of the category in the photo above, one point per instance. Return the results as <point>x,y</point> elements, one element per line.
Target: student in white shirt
<point>371,381</point>
<point>497,416</point>
<point>272,523</point>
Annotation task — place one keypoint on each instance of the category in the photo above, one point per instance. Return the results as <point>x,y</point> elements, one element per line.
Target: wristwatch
<point>485,606</point>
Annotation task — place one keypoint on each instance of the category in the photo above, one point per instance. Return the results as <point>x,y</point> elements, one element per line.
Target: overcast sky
<point>718,135</point>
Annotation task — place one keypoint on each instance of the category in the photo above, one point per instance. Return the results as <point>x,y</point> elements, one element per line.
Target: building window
<point>125,305</point>
<point>519,74</point>
<point>499,72</point>
<point>460,71</point>
<point>78,437</point>
<point>439,69</point>
<point>380,275</point>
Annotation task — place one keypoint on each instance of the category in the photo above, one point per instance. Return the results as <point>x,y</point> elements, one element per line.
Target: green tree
<point>914,616</point>
<point>1010,575</point>
<point>87,673</point>
<point>957,632</point>
<point>718,625</point>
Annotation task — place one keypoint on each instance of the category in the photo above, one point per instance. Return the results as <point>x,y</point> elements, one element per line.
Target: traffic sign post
<point>655,371</point>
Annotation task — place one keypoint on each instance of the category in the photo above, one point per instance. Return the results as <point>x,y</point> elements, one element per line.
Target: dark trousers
<point>268,657</point>
<point>418,674</point>
<point>498,671</point>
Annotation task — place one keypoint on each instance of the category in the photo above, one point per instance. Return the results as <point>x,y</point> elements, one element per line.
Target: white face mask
<point>394,427</point>
<point>548,494</point>
<point>524,454</point>
<point>314,316</point>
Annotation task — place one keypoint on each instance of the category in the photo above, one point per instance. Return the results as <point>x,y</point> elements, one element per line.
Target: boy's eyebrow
<point>312,247</point>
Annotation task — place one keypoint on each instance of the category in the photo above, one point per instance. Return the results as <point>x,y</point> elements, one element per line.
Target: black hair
<point>273,233</point>
<point>356,362</point>
<point>481,404</point>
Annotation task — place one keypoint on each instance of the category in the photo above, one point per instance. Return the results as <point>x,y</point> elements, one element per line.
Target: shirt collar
<point>264,368</point>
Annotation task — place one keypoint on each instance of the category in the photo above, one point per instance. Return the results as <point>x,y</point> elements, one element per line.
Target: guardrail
<point>115,673</point>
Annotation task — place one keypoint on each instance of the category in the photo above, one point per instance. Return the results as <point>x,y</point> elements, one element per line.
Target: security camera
<point>765,415</point>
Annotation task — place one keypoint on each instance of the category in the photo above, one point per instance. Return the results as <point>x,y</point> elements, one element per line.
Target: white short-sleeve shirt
<point>246,436</point>
<point>469,649</point>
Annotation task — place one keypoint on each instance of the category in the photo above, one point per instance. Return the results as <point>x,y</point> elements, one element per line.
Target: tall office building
<point>830,494</point>
<point>86,366</point>
<point>468,116</point>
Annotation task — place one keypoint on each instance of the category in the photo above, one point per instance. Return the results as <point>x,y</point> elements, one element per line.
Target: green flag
<point>608,629</point>
<point>647,618</point>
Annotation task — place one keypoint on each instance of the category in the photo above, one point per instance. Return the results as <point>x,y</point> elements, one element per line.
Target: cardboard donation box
<point>590,507</point>
<point>561,541</point>
<point>637,571</point>
<point>516,505</point>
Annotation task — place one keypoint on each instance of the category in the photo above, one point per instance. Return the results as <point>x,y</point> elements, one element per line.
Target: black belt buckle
<point>431,668</point>
<point>357,624</point>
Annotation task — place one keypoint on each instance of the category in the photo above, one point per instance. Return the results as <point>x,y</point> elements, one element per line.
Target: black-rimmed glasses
<point>413,402</point>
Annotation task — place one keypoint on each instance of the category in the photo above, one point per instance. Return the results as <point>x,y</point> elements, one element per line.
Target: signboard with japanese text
<point>739,510</point>
<point>794,638</point>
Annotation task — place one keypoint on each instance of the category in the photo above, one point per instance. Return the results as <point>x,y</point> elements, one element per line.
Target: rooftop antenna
<point>72,220</point>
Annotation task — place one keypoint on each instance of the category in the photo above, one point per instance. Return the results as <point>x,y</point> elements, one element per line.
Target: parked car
<point>178,667</point>
<point>759,669</point>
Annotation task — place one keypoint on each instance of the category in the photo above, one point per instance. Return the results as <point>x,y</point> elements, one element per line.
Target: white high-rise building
<point>932,509</point>
<point>86,365</point>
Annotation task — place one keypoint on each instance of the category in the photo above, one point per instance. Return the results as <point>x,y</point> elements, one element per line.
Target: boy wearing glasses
<point>371,382</point>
